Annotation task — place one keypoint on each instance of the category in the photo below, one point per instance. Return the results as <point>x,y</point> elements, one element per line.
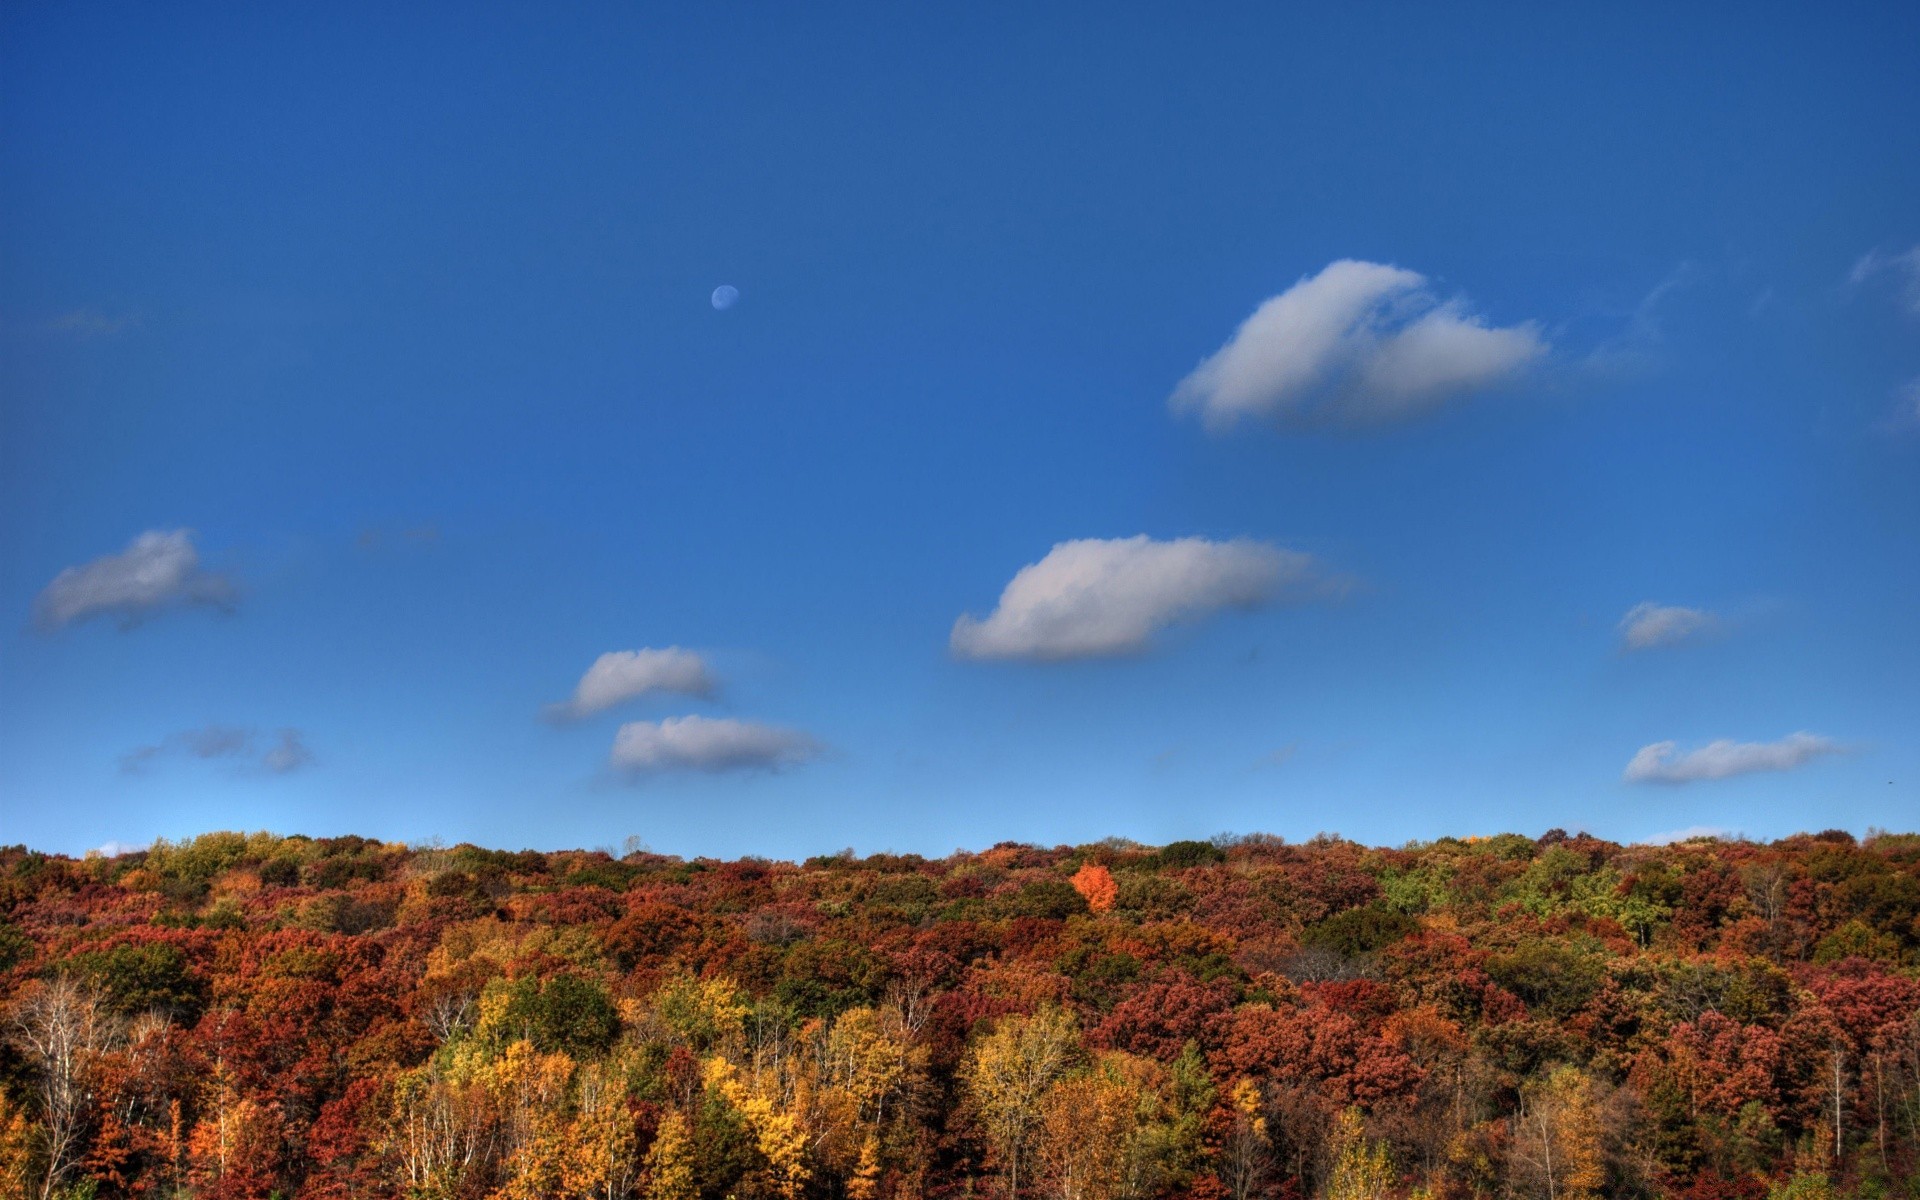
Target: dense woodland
<point>255,1016</point>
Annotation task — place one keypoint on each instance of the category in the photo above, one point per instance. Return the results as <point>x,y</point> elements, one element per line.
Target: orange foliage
<point>1095,884</point>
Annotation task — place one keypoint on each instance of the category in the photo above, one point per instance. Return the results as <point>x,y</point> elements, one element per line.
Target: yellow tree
<point>600,1162</point>
<point>1007,1074</point>
<point>1243,1156</point>
<point>1558,1147</point>
<point>777,1133</point>
<point>1361,1170</point>
<point>16,1152</point>
<point>527,1091</point>
<point>670,1160</point>
<point>1088,1122</point>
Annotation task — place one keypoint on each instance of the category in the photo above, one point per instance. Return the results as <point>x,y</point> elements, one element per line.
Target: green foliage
<point>1177,856</point>
<point>1555,978</point>
<point>136,979</point>
<point>567,1013</point>
<point>1049,899</point>
<point>1360,930</point>
<point>15,946</point>
<point>1804,1185</point>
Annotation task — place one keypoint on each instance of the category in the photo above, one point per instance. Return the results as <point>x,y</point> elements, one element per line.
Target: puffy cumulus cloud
<point>695,743</point>
<point>1663,763</point>
<point>157,569</point>
<point>1648,625</point>
<point>622,675</point>
<point>1096,598</point>
<point>1359,343</point>
<point>287,752</point>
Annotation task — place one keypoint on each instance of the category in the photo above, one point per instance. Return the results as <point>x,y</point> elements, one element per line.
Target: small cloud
<point>374,537</point>
<point>90,323</point>
<point>1648,625</point>
<point>287,753</point>
<point>1905,265</point>
<point>158,569</point>
<point>1633,347</point>
<point>1360,343</point>
<point>1690,833</point>
<point>1662,763</point>
<point>622,675</point>
<point>1099,598</point>
<point>116,849</point>
<point>1282,756</point>
<point>695,743</point>
<point>1905,417</point>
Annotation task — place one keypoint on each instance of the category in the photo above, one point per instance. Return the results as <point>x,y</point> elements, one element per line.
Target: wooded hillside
<point>252,1015</point>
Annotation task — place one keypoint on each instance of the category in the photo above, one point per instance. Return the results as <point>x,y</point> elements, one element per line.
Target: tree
<point>1557,1138</point>
<point>61,1028</point>
<point>1095,884</point>
<point>670,1160</point>
<point>1245,1151</point>
<point>1361,1169</point>
<point>1007,1075</point>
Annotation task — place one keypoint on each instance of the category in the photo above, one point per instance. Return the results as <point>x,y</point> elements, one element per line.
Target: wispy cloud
<point>713,744</point>
<point>1904,266</point>
<point>1359,343</point>
<point>1662,762</point>
<point>90,323</point>
<point>1096,598</point>
<point>158,569</point>
<point>1648,625</point>
<point>622,675</point>
<point>287,751</point>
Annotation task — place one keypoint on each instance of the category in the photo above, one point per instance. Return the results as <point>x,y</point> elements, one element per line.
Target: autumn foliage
<point>248,1016</point>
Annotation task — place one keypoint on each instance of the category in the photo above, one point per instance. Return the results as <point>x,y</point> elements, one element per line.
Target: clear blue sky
<point>402,312</point>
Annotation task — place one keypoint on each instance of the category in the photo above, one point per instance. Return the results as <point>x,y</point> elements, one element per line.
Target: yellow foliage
<point>670,1161</point>
<point>1361,1170</point>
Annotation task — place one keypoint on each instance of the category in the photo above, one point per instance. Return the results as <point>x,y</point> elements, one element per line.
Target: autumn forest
<point>250,1016</point>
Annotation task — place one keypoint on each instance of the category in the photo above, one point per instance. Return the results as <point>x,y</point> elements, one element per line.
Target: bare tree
<point>62,1027</point>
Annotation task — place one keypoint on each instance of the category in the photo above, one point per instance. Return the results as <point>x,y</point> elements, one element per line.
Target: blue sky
<point>1348,381</point>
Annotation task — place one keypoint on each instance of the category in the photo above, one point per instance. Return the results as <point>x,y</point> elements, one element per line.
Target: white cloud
<point>1906,265</point>
<point>622,675</point>
<point>1662,763</point>
<point>287,753</point>
<point>709,744</point>
<point>1096,597</point>
<point>1358,343</point>
<point>1673,836</point>
<point>114,849</point>
<point>1648,625</point>
<point>157,569</point>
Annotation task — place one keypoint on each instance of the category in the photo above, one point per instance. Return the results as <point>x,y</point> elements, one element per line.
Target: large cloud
<point>1648,625</point>
<point>287,752</point>
<point>622,675</point>
<point>157,569</point>
<point>698,743</point>
<point>1359,343</point>
<point>1662,762</point>
<point>1096,597</point>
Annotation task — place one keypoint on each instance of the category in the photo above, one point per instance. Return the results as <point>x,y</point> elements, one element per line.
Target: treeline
<point>1243,1019</point>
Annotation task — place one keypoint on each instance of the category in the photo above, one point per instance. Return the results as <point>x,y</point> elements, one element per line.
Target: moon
<point>724,296</point>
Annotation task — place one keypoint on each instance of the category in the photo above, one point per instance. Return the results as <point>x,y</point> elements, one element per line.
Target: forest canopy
<point>250,1015</point>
